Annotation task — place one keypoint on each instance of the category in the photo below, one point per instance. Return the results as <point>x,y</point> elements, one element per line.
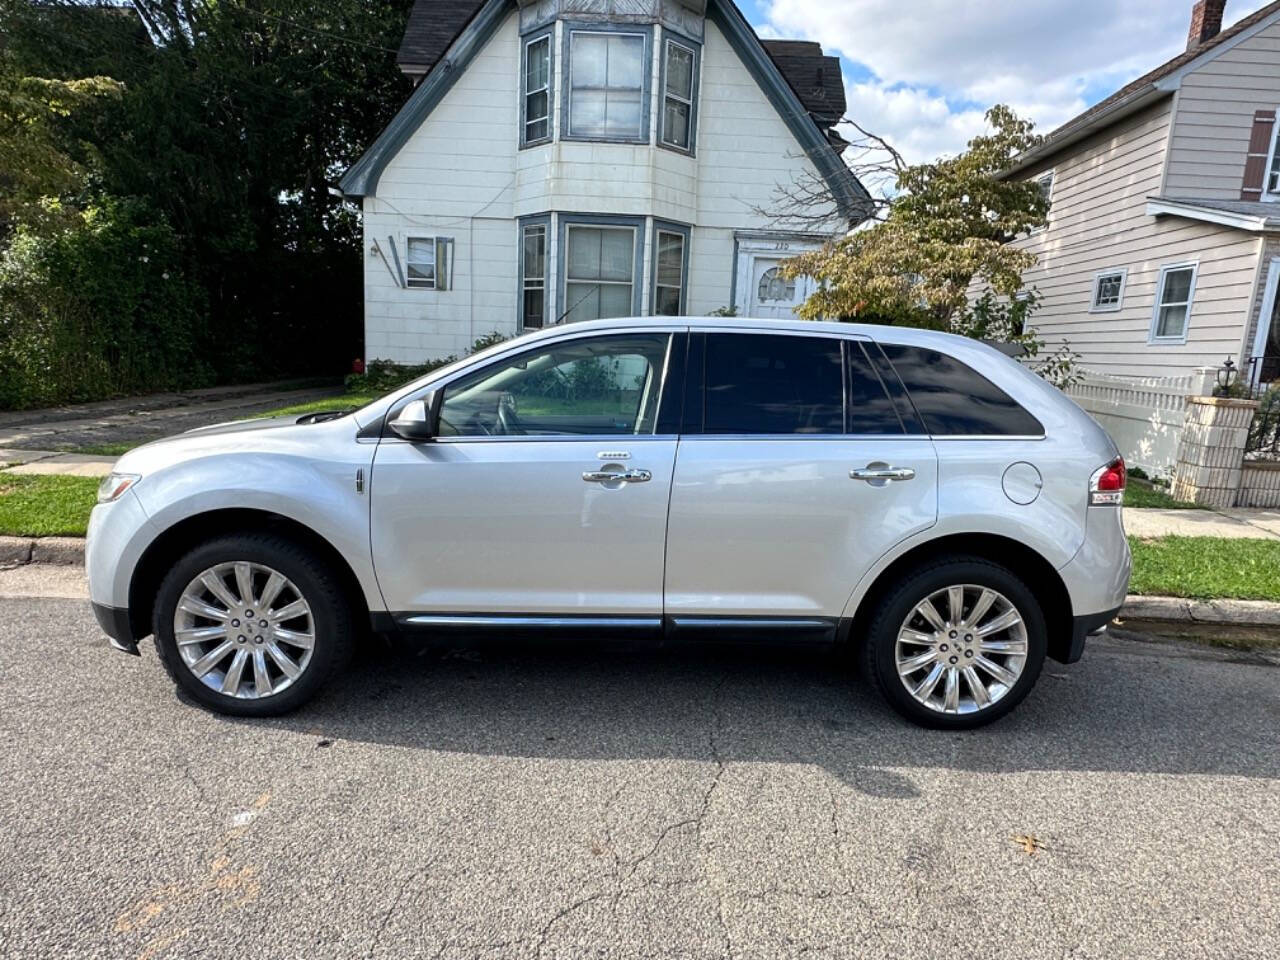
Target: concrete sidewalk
<point>50,462</point>
<point>1235,524</point>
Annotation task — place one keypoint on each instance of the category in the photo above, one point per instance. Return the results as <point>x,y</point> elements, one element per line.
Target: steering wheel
<point>508,423</point>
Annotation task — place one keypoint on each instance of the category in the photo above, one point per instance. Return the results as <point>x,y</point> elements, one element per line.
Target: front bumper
<point>114,622</point>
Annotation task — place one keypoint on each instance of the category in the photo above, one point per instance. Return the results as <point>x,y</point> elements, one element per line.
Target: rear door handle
<point>626,476</point>
<point>883,472</point>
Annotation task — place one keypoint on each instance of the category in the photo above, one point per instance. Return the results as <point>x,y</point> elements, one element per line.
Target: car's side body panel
<point>776,525</point>
<point>508,525</point>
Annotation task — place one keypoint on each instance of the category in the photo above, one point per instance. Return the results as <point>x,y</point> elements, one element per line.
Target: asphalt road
<point>572,803</point>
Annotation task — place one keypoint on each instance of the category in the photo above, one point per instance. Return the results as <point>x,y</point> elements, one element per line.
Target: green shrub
<point>96,307</point>
<point>383,376</point>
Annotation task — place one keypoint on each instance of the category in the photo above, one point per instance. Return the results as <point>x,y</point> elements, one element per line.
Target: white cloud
<point>937,64</point>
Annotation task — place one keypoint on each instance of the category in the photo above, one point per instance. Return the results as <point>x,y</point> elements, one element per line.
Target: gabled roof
<point>815,139</point>
<point>1148,88</point>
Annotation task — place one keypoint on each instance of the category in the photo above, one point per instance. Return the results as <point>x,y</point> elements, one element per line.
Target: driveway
<point>574,803</point>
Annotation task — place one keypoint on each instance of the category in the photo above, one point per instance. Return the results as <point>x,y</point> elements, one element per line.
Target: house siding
<point>1216,103</point>
<point>462,175</point>
<point>1099,222</point>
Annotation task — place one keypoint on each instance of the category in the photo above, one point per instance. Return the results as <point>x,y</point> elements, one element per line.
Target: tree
<point>945,226</point>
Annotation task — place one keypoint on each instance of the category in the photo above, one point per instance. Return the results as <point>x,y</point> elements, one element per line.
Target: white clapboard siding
<point>462,175</point>
<point>1216,103</point>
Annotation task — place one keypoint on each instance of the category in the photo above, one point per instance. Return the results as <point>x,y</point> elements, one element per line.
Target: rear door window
<point>953,399</point>
<point>773,384</point>
<point>871,410</point>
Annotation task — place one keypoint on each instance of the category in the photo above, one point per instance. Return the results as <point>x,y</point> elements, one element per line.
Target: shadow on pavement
<point>1110,712</point>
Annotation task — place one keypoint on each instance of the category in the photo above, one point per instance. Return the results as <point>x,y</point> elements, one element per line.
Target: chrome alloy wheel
<point>244,630</point>
<point>961,649</point>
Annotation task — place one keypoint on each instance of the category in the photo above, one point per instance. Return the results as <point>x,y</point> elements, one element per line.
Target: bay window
<point>533,275</point>
<point>537,90</point>
<point>607,89</point>
<point>670,244</point>
<point>599,271</point>
<point>679,74</point>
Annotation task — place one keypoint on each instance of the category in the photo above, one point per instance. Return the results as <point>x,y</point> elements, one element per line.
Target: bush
<point>97,307</point>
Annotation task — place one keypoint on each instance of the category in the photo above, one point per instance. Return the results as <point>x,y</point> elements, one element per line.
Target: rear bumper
<point>114,622</point>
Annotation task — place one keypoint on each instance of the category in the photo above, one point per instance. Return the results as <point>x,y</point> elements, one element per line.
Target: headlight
<point>114,485</point>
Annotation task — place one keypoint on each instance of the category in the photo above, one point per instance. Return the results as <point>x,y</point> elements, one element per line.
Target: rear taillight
<point>1106,486</point>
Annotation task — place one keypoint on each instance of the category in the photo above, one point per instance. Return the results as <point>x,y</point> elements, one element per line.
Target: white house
<point>571,159</point>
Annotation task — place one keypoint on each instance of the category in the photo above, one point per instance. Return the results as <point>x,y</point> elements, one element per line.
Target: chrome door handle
<point>626,476</point>
<point>871,472</point>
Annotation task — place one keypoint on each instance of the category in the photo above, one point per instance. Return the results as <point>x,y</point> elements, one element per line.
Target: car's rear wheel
<point>957,644</point>
<point>251,624</point>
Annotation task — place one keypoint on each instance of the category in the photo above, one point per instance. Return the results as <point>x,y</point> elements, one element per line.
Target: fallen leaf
<point>1030,845</point>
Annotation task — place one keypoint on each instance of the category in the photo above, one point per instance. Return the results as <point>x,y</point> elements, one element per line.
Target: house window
<point>1174,292</point>
<point>533,276</point>
<point>668,273</point>
<point>427,262</point>
<point>1108,291</point>
<point>599,278</point>
<point>774,286</point>
<point>606,85</point>
<point>537,90</point>
<point>679,67</point>
<point>1044,184</point>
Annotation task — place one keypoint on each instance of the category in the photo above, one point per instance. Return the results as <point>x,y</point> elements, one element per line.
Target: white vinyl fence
<point>1144,415</point>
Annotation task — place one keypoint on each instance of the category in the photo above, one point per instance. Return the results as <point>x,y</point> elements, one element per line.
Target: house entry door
<point>762,289</point>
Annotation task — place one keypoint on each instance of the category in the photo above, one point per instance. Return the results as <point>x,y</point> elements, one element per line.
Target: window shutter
<point>1255,163</point>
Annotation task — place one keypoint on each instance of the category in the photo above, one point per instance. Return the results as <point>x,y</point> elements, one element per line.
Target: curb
<point>65,551</point>
<point>69,551</point>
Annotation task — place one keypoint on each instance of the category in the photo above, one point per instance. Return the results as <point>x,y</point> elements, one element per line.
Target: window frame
<point>685,232</point>
<point>645,32</point>
<point>670,38</point>
<point>1165,269</point>
<point>1094,307</point>
<point>548,34</point>
<point>1051,176</point>
<point>523,224</point>
<point>438,243</point>
<point>670,386</point>
<point>566,221</point>
<point>1267,195</point>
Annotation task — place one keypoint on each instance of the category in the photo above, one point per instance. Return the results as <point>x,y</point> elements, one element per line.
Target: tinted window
<point>587,387</point>
<point>953,399</point>
<point>760,383</point>
<point>870,408</point>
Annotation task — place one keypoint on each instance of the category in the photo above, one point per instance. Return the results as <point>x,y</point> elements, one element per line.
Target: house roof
<point>815,78</point>
<point>432,26</point>
<point>1252,215</point>
<point>1148,88</point>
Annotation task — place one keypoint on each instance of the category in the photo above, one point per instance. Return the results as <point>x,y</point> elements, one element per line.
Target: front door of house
<point>763,291</point>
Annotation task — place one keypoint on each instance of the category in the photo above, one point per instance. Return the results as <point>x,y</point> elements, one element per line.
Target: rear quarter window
<point>953,399</point>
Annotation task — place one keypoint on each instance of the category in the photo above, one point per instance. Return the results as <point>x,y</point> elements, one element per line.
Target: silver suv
<point>916,495</point>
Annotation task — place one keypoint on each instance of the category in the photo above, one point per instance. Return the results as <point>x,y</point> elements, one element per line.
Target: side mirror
<point>417,420</point>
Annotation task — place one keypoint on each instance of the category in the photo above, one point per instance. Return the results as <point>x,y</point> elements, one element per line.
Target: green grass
<point>104,449</point>
<point>1141,493</point>
<point>344,401</point>
<point>1206,568</point>
<point>46,506</point>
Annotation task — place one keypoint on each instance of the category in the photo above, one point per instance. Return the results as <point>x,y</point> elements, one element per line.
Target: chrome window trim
<point>526,620</point>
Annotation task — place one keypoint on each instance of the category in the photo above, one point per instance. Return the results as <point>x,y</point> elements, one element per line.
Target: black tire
<point>330,611</point>
<point>879,658</point>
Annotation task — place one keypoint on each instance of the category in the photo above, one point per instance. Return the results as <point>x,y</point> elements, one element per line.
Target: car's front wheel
<point>957,644</point>
<point>251,624</point>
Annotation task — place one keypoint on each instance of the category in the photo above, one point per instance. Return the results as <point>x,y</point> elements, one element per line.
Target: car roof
<point>881,332</point>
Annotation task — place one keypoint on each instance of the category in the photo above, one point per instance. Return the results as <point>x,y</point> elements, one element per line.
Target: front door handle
<point>882,472</point>
<point>608,476</point>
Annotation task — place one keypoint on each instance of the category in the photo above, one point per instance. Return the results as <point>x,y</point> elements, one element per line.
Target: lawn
<point>346,401</point>
<point>1206,567</point>
<point>1142,493</point>
<point>44,506</point>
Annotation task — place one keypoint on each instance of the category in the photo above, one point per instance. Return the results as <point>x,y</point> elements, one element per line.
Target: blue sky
<point>922,72</point>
